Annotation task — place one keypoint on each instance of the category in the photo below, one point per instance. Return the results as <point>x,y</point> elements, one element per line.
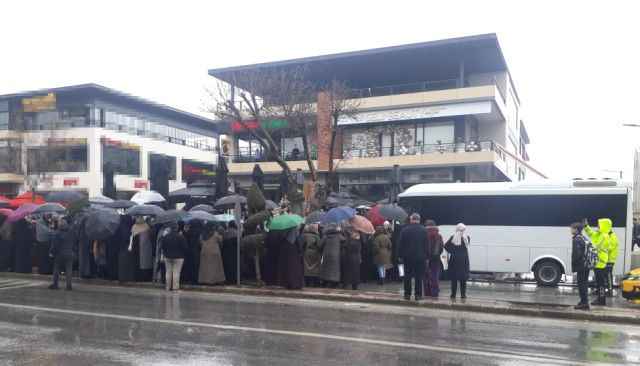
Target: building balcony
<point>244,162</point>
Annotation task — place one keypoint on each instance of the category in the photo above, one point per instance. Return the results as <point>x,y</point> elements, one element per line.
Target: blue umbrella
<point>338,214</point>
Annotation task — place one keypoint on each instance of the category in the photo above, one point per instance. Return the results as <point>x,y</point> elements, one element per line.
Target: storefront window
<point>58,158</point>
<point>123,157</point>
<point>10,157</point>
<point>157,159</point>
<point>4,115</point>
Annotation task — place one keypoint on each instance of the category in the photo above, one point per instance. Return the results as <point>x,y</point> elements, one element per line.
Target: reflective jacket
<point>603,239</point>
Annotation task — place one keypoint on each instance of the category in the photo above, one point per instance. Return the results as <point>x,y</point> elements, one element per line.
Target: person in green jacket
<point>603,238</point>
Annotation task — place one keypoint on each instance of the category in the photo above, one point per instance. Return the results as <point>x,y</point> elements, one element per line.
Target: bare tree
<point>341,104</point>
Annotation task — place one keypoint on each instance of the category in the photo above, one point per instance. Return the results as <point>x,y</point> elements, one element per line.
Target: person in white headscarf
<point>456,246</point>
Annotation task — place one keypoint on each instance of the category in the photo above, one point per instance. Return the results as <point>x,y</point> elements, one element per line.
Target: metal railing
<point>404,150</point>
<point>417,87</point>
<point>247,156</point>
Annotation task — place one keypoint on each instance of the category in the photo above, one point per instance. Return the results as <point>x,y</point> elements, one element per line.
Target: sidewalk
<point>493,298</point>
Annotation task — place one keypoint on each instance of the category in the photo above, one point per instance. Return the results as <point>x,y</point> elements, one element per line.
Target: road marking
<point>17,284</point>
<point>468,352</point>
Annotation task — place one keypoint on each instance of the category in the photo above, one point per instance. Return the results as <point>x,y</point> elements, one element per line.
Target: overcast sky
<point>575,65</point>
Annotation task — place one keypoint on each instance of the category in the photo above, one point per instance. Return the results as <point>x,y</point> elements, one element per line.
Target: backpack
<point>590,254</point>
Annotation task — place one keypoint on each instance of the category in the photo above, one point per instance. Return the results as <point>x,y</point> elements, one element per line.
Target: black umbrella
<point>222,172</point>
<point>393,212</point>
<point>193,192</point>
<point>314,217</point>
<point>49,208</point>
<point>230,201</point>
<point>145,210</point>
<point>203,207</point>
<point>120,204</point>
<point>102,223</point>
<point>64,196</point>
<point>171,216</point>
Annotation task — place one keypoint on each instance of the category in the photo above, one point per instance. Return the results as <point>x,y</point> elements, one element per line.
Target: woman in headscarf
<point>230,253</point>
<point>211,269</point>
<point>456,246</point>
<point>351,259</point>
<point>312,254</point>
<point>141,241</point>
<point>330,264</point>
<point>434,250</point>
<point>290,260</point>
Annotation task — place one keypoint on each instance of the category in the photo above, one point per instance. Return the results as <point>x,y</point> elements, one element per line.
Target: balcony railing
<point>246,156</point>
<point>417,87</point>
<point>423,149</point>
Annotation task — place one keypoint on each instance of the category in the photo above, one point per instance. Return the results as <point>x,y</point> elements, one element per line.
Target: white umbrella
<point>143,197</point>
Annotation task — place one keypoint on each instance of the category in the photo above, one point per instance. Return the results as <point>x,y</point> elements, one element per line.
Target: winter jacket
<point>578,253</point>
<point>604,240</point>
<point>330,267</point>
<point>211,269</point>
<point>312,254</point>
<point>351,258</point>
<point>458,259</point>
<point>174,245</point>
<point>62,244</point>
<point>435,245</point>
<point>413,239</point>
<point>382,249</point>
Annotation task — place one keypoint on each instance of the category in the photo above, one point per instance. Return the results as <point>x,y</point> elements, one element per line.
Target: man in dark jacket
<point>62,252</point>
<point>412,253</point>
<point>579,265</point>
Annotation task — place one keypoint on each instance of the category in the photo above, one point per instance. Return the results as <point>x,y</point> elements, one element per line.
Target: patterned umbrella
<point>361,224</point>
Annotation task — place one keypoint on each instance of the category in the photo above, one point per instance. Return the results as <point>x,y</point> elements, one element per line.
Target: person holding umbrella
<point>62,253</point>
<point>173,248</point>
<point>330,266</point>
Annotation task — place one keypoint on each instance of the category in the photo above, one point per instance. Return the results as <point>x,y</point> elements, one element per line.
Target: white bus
<point>523,227</point>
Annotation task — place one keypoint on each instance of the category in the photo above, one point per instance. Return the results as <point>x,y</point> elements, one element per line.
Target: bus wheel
<point>547,272</point>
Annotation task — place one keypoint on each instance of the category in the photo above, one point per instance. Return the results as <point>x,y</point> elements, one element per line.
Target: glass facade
<point>124,158</point>
<point>10,156</point>
<point>4,115</point>
<point>58,159</point>
<point>155,159</point>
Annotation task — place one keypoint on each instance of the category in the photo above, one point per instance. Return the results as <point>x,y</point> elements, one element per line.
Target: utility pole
<point>636,174</point>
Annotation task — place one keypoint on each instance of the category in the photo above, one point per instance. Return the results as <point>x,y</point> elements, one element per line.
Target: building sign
<point>66,141</point>
<point>140,184</point>
<point>405,114</point>
<point>68,182</point>
<point>115,143</point>
<point>38,104</point>
<point>270,124</point>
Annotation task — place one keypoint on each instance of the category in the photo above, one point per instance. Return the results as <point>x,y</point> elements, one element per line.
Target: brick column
<point>323,125</point>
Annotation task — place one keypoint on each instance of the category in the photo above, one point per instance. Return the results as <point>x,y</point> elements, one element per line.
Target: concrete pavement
<point>105,325</point>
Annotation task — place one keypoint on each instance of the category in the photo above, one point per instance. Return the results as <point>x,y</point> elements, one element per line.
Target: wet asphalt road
<point>95,325</point>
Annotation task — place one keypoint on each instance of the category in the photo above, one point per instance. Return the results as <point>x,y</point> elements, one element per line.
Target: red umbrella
<point>375,217</point>
<point>27,197</point>
<point>361,224</point>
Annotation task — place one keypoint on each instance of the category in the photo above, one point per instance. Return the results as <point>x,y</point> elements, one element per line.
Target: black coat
<point>458,260</point>
<point>578,253</point>
<point>174,245</point>
<point>351,259</point>
<point>24,237</point>
<point>413,243</point>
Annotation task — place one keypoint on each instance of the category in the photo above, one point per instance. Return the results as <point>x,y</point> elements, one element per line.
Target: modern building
<point>443,111</point>
<point>61,138</point>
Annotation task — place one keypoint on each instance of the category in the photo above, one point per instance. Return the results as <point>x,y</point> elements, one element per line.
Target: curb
<point>622,316</point>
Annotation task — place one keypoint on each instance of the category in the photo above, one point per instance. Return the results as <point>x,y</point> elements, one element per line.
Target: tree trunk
<point>331,176</point>
<point>312,168</point>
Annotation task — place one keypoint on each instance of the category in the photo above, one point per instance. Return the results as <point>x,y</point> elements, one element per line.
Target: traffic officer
<point>601,239</point>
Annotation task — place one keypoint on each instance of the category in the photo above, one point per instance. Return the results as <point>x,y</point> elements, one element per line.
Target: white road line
<point>424,347</point>
<point>19,285</point>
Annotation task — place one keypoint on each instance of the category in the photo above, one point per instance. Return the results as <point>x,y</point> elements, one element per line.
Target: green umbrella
<point>284,222</point>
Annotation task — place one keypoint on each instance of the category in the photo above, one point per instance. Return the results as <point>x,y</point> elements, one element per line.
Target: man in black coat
<point>62,253</point>
<point>412,252</point>
<point>579,265</point>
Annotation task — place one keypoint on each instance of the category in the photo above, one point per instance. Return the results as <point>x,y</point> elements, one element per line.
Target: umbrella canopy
<point>270,205</point>
<point>361,224</point>
<point>120,204</point>
<point>22,212</point>
<point>49,208</point>
<point>171,216</point>
<point>375,217</point>
<point>100,200</point>
<point>224,218</point>
<point>230,201</point>
<point>27,197</point>
<point>102,223</point>
<point>65,196</point>
<point>285,222</point>
<point>5,212</point>
<point>193,192</point>
<point>200,215</point>
<point>145,210</point>
<point>314,217</point>
<point>338,214</point>
<point>203,207</point>
<point>392,212</point>
<point>143,197</point>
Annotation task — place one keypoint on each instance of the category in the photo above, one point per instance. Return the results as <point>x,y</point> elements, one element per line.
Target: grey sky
<point>575,63</point>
